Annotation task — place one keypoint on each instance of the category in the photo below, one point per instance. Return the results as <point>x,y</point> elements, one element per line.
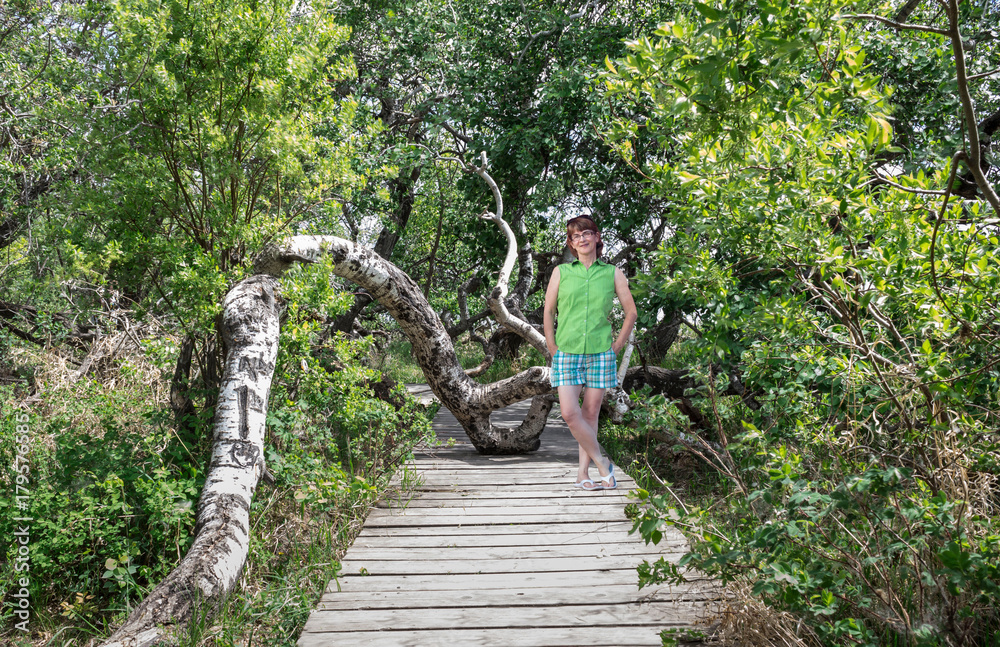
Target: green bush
<point>863,550</point>
<point>106,498</point>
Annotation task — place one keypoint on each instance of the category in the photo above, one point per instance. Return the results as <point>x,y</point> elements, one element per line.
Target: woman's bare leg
<point>582,424</point>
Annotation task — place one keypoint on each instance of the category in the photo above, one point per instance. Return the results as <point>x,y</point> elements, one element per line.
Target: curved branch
<point>969,112</point>
<point>882,180</point>
<point>471,403</point>
<point>497,297</point>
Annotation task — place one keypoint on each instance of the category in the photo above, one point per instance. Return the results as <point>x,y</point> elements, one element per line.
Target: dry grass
<point>118,360</point>
<point>745,621</point>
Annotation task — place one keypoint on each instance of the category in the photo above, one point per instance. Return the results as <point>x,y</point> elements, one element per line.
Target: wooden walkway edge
<point>502,550</point>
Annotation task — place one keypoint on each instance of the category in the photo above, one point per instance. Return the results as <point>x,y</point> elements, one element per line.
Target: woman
<point>583,355</point>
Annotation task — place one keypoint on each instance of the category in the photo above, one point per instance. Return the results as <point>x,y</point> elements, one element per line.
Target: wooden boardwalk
<point>502,550</point>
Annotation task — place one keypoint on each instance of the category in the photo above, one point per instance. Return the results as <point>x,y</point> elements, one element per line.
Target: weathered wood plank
<point>522,490</point>
<point>652,614</point>
<point>511,597</point>
<point>545,508</point>
<point>490,496</point>
<point>525,542</point>
<point>639,551</point>
<point>577,529</point>
<point>510,519</point>
<point>473,500</point>
<point>419,584</point>
<point>484,565</point>
<point>534,637</point>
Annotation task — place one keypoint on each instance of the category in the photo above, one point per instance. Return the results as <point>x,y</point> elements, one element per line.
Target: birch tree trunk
<point>251,325</point>
<point>470,402</point>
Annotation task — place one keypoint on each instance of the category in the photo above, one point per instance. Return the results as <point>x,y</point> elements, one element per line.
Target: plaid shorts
<point>596,370</point>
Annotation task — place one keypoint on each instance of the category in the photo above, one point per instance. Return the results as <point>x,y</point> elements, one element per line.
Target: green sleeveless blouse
<point>584,304</point>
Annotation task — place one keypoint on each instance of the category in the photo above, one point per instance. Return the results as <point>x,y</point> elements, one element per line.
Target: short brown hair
<point>582,223</point>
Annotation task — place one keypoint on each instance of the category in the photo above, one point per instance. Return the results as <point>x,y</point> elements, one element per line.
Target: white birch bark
<point>209,570</point>
<point>496,300</point>
<point>616,400</point>
<point>470,402</point>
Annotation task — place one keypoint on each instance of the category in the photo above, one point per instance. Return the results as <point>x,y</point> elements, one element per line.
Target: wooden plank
<point>375,551</point>
<point>510,519</point>
<point>653,614</point>
<point>542,464</point>
<point>420,584</point>
<point>502,476</point>
<point>527,509</point>
<point>472,500</point>
<point>463,508</point>
<point>534,637</point>
<point>530,565</point>
<point>508,597</point>
<point>460,461</point>
<point>524,542</point>
<point>575,529</point>
<point>562,482</point>
<point>491,497</point>
<point>561,489</point>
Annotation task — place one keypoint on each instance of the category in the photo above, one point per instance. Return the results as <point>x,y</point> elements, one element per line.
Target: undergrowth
<point>396,361</point>
<point>114,486</point>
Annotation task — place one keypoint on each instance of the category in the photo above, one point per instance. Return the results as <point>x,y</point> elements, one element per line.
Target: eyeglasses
<point>583,235</point>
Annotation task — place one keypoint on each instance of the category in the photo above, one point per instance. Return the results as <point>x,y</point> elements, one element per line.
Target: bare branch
<point>892,23</point>
<point>971,124</point>
<point>976,77</point>
<point>496,299</point>
<point>908,189</point>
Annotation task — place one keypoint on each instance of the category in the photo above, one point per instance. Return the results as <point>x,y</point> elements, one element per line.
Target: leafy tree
<point>441,77</point>
<point>860,317</point>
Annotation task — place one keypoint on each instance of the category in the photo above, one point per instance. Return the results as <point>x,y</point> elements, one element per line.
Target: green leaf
<point>708,11</point>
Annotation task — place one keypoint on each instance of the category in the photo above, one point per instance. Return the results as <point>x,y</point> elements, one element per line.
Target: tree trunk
<point>470,402</point>
<point>251,325</point>
<point>402,189</point>
<point>662,337</point>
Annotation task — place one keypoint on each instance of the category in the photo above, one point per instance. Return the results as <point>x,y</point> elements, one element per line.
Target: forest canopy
<point>802,194</point>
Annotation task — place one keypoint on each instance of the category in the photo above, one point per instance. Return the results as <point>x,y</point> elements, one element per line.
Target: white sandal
<point>610,479</point>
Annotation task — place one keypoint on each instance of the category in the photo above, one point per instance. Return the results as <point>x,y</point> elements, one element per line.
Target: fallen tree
<point>470,402</point>
<point>250,328</point>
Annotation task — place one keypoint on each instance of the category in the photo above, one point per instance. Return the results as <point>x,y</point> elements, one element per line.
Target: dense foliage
<point>787,182</point>
<point>860,313</point>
